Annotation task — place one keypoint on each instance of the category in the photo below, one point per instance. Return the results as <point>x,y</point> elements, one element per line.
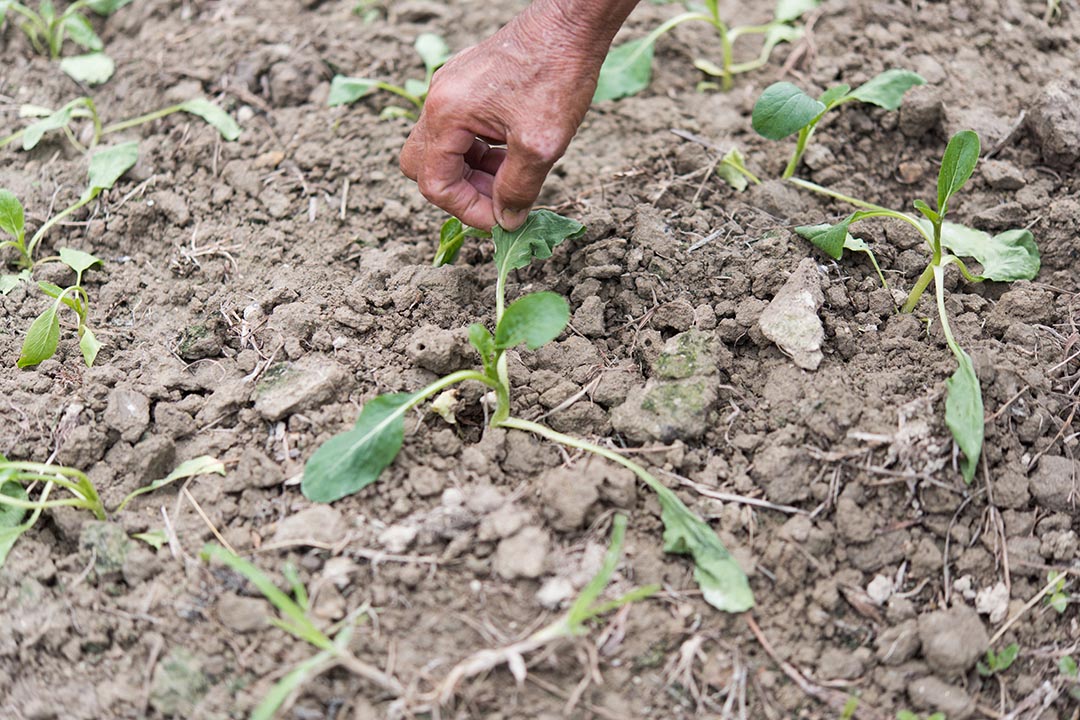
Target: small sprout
<point>627,70</point>
<point>433,51</point>
<point>783,109</point>
<point>908,715</point>
<point>1058,599</point>
<point>452,238</point>
<point>202,465</point>
<point>732,170</point>
<point>998,662</point>
<point>47,30</point>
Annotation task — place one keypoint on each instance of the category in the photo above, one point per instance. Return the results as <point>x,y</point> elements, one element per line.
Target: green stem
<point>502,370</point>
<point>881,211</point>
<point>917,291</point>
<point>741,169</point>
<point>11,138</point>
<point>800,149</point>
<point>24,258</point>
<point>136,121</point>
<point>84,490</point>
<point>83,202</point>
<point>939,293</point>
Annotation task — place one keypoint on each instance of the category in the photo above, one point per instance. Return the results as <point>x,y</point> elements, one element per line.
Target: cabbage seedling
<point>352,460</point>
<point>1008,256</point>
<point>83,108</point>
<point>628,67</point>
<point>47,29</point>
<point>451,238</point>
<point>433,51</point>
<point>783,109</point>
<point>43,337</point>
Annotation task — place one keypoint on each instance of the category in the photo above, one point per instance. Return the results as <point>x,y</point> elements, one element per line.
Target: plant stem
<point>917,291</point>
<point>800,149</point>
<point>502,371</point>
<point>83,202</point>
<point>136,121</point>
<point>882,211</point>
<point>939,293</point>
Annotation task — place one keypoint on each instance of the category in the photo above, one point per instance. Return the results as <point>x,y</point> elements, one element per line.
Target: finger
<point>444,179</point>
<point>482,181</point>
<point>481,156</point>
<point>409,161</point>
<point>520,177</point>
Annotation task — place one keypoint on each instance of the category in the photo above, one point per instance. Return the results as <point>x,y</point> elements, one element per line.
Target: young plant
<point>571,624</point>
<point>451,238</point>
<point>998,662</point>
<point>908,715</point>
<point>354,459</point>
<point>1070,672</point>
<point>433,51</point>
<point>628,67</point>
<point>783,109</point>
<point>43,337</point>
<point>1057,598</point>
<point>105,168</point>
<point>18,479</point>
<point>83,108</point>
<point>294,619</point>
<point>1008,256</point>
<point>47,29</point>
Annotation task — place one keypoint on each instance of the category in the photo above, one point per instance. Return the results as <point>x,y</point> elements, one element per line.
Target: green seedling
<point>585,608</point>
<point>1008,256</point>
<point>83,108</point>
<point>998,662</point>
<point>19,479</point>
<point>47,30</point>
<point>908,715</point>
<point>1069,670</point>
<point>451,238</point>
<point>351,461</point>
<point>43,337</point>
<point>433,51</point>
<point>1057,598</point>
<point>105,168</point>
<point>293,618</point>
<point>627,70</point>
<point>783,109</point>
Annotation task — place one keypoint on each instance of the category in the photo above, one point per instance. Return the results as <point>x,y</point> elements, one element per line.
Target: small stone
<point>880,589</point>
<point>178,684</point>
<point>899,643</point>
<point>241,614</point>
<point>568,495</point>
<point>1002,175</point>
<point>1055,122</point>
<point>426,481</point>
<point>931,693</point>
<point>993,601</point>
<point>1052,483</point>
<point>921,112</point>
<point>952,640</point>
<point>589,317</point>
<point>108,542</point>
<point>295,387</point>
<point>791,320</point>
<point>128,413</point>
<point>523,555</point>
<point>318,524</point>
<point>398,538</point>
<point>667,410</point>
<point>842,664</point>
<point>686,355</point>
<point>555,592</point>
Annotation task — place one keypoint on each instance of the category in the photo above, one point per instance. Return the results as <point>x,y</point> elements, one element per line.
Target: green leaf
<point>60,119</point>
<point>12,216</point>
<point>982,668</point>
<point>1005,257</point>
<point>791,10</point>
<point>10,515</point>
<point>89,346</point>
<point>78,260</point>
<point>535,320</point>
<point>1007,657</point>
<point>106,167</point>
<point>347,90</point>
<point>964,412</point>
<point>433,50</point>
<point>214,115</point>
<point>728,170</point>
<point>830,239</point>
<point>1068,667</point>
<point>834,95</point>
<point>887,89</point>
<point>416,88</point>
<point>351,461</point>
<point>722,581</point>
<point>57,293</point>
<point>41,340</point>
<point>106,7</point>
<point>91,69</point>
<point>481,339</point>
<point>1059,601</point>
<point>626,71</point>
<point>782,110</point>
<point>928,212</point>
<point>451,238</point>
<point>10,282</point>
<point>202,465</point>
<point>291,684</point>
<point>154,538</point>
<point>957,164</point>
<point>82,32</point>
<point>542,231</point>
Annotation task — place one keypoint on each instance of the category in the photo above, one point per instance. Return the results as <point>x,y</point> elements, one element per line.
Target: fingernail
<point>513,218</point>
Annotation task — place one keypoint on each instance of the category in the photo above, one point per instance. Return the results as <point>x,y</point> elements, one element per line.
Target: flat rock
<point>952,640</point>
<point>318,523</point>
<point>523,555</point>
<point>241,614</point>
<point>1055,122</point>
<point>686,355</point>
<point>791,320</point>
<point>128,413</point>
<point>109,544</point>
<point>1054,483</point>
<point>931,693</point>
<point>288,388</point>
<point>667,410</point>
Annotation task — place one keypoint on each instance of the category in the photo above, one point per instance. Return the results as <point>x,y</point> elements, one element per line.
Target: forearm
<point>587,26</point>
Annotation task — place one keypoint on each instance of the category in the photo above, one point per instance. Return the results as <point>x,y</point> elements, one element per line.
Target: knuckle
<point>544,146</point>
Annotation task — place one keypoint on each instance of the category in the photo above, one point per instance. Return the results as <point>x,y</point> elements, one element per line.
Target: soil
<point>256,293</point>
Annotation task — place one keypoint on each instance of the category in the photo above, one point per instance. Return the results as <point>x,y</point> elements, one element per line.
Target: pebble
<point>128,413</point>
<point>791,320</point>
<point>568,495</point>
<point>241,614</point>
<point>952,640</point>
<point>931,693</point>
<point>318,523</point>
<point>295,387</point>
<point>523,555</point>
<point>1052,483</point>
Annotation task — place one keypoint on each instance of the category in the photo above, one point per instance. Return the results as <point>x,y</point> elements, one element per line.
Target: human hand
<point>527,87</point>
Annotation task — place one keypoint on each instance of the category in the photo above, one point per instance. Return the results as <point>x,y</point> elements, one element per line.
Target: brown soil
<point>229,264</point>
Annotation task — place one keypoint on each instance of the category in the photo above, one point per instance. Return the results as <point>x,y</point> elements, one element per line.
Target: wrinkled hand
<point>526,87</point>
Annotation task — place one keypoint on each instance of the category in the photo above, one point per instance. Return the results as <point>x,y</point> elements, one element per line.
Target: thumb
<point>518,182</point>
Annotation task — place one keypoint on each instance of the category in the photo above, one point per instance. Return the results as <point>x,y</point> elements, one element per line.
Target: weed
<point>1008,256</point>
<point>47,30</point>
<point>433,51</point>
<point>783,109</point>
<point>1058,599</point>
<point>908,715</point>
<point>628,67</point>
<point>354,459</point>
<point>84,108</point>
<point>998,662</point>
<point>1069,670</point>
